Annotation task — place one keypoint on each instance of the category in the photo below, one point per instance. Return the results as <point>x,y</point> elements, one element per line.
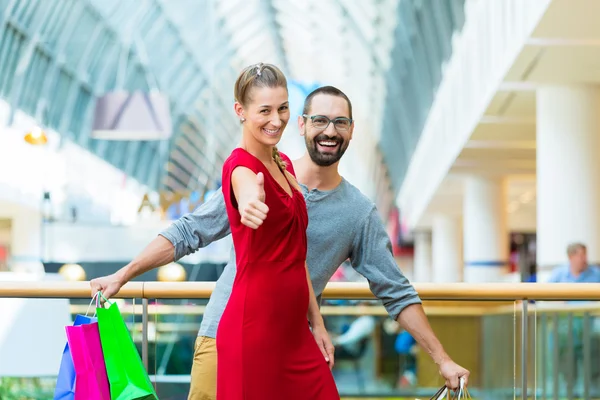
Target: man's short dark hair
<point>329,90</point>
<point>574,248</point>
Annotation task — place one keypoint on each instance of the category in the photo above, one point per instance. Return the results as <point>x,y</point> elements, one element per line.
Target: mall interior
<point>116,118</point>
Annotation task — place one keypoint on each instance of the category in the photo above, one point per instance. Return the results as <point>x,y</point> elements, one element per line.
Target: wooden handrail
<point>334,290</point>
<point>62,289</point>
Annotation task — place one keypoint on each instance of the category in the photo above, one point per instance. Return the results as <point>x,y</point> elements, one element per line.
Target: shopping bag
<point>127,376</point>
<point>65,382</point>
<point>91,382</point>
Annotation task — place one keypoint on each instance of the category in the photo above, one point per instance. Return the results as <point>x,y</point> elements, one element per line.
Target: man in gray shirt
<point>343,224</point>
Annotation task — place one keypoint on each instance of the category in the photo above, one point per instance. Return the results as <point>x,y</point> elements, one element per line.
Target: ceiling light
<point>72,272</point>
<point>172,272</point>
<point>36,137</point>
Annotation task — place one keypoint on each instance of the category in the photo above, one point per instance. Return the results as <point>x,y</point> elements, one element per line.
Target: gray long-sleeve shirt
<point>342,224</point>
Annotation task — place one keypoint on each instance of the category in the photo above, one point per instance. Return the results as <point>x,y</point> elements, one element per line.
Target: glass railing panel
<point>568,347</point>
<point>482,336</point>
<point>549,348</point>
<point>499,374</point>
<point>173,326</point>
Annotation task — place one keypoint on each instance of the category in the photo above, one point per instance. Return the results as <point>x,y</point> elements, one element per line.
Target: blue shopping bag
<point>65,383</point>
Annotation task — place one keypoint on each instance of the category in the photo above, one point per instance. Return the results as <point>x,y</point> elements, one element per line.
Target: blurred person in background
<point>343,224</point>
<point>355,338</point>
<point>349,341</point>
<point>407,348</point>
<point>577,270</point>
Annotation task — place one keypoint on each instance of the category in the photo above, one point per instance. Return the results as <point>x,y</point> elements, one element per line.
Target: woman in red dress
<point>265,347</point>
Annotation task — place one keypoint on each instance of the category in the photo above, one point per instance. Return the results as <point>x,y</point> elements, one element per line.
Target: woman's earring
<point>242,119</point>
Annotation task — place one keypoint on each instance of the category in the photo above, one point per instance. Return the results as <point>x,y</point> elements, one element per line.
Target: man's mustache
<point>323,137</point>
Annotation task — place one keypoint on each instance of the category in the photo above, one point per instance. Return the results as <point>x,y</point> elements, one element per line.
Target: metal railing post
<point>570,357</point>
<point>524,349</point>
<point>587,356</point>
<point>543,356</point>
<point>145,332</point>
<point>555,359</point>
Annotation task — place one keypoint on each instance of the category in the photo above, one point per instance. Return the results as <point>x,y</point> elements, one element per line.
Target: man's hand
<point>452,372</point>
<point>254,211</point>
<point>108,285</point>
<point>324,343</point>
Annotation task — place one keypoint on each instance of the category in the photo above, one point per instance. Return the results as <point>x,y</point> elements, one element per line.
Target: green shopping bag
<point>126,374</point>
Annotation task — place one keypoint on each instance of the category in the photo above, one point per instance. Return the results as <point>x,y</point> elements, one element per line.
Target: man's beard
<point>325,159</point>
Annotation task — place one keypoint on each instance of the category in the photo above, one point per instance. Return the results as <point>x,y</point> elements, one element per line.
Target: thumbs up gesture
<point>254,211</point>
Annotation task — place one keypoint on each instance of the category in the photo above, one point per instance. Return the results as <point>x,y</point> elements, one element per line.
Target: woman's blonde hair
<point>259,75</point>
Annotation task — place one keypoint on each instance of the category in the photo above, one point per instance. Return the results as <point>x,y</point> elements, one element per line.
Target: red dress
<point>265,348</point>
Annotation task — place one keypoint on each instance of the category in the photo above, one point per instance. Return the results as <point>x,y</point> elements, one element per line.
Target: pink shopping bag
<point>91,381</point>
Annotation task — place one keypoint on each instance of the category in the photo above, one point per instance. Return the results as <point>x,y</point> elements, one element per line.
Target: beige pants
<point>204,370</point>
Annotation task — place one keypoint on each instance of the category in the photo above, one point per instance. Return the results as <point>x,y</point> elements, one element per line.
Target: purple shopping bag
<point>65,382</point>
<point>91,381</point>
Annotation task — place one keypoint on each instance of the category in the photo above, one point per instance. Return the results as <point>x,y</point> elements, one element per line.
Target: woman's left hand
<point>324,343</point>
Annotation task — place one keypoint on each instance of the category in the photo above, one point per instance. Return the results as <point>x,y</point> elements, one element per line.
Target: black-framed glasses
<point>321,122</point>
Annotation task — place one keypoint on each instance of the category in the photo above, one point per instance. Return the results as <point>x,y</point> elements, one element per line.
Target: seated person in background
<point>349,342</point>
<point>578,270</point>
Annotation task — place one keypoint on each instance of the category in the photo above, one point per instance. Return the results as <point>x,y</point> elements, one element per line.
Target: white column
<point>446,244</point>
<point>26,242</point>
<point>485,229</point>
<point>568,173</point>
<point>422,262</point>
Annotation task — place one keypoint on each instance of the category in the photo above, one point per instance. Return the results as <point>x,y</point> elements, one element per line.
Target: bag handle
<point>97,299</point>
<point>103,298</point>
<point>461,394</point>
<point>441,393</point>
